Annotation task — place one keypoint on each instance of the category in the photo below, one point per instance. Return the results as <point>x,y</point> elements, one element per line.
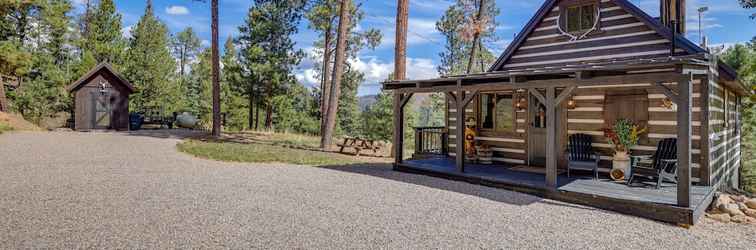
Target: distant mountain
<point>365,101</point>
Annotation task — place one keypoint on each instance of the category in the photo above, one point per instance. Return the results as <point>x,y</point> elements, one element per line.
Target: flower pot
<point>620,166</point>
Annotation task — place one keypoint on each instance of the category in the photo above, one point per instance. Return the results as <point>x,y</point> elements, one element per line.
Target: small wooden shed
<point>101,99</point>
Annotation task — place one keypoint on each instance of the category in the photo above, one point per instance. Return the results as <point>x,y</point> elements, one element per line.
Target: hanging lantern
<point>521,104</point>
<point>571,104</point>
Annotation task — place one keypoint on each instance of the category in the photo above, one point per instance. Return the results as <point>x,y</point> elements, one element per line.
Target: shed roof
<point>102,66</point>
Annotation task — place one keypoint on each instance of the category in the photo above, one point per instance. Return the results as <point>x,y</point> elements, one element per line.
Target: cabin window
<point>580,17</point>
<point>497,112</point>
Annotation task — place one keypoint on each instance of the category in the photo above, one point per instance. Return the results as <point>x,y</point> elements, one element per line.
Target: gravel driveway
<point>99,190</point>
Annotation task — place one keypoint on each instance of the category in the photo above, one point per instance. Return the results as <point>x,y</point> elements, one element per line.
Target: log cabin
<point>575,68</point>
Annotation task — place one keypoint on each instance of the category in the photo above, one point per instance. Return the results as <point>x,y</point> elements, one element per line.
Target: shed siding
<point>119,102</point>
<point>620,35</point>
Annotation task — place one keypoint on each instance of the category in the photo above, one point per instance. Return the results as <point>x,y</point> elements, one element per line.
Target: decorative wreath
<point>574,37</point>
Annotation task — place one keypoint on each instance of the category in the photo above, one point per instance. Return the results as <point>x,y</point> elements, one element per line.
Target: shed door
<point>102,110</point>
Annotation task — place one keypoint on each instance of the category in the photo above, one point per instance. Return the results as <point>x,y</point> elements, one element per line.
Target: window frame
<point>566,5</point>
<point>494,130</point>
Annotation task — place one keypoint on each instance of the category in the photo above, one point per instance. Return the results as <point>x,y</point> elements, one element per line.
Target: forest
<point>45,45</point>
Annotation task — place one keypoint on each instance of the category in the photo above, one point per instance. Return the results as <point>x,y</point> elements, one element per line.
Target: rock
<point>750,212</point>
<point>742,206</point>
<point>740,219</point>
<point>724,218</point>
<point>738,198</point>
<point>751,203</point>
<point>731,209</point>
<point>722,199</point>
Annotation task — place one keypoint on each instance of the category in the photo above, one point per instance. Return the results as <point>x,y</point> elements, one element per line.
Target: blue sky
<point>725,23</point>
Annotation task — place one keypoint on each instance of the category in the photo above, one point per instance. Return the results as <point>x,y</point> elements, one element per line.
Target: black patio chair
<point>663,163</point>
<point>580,154</point>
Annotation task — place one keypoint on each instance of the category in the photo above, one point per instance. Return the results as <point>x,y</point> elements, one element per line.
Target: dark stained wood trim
<point>460,131</point>
<point>684,99</point>
<point>551,155</point>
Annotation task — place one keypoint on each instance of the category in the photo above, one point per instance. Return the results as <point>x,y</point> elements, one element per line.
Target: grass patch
<point>253,152</point>
<point>5,127</point>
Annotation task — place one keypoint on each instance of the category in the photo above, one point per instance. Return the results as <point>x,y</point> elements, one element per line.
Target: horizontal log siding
<point>724,139</point>
<point>620,35</point>
<point>510,149</point>
<point>590,109</point>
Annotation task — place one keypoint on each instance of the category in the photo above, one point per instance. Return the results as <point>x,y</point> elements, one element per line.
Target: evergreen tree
<point>323,18</point>
<point>101,38</point>
<point>186,45</point>
<point>150,66</point>
<point>43,93</point>
<point>267,50</point>
<point>458,25</point>
<point>234,105</point>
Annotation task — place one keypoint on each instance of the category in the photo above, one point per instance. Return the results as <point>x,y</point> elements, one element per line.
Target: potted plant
<point>623,135</point>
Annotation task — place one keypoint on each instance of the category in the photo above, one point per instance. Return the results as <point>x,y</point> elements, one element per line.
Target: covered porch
<point>640,199</point>
<point>677,203</point>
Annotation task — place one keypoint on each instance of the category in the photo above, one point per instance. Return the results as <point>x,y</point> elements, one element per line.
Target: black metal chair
<point>663,163</point>
<point>580,154</point>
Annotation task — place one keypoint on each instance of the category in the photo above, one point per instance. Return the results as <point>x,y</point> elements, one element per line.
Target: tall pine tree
<point>150,66</point>
<point>101,37</point>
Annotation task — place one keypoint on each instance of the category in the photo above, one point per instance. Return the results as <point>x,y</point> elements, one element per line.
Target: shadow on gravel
<point>169,133</point>
<point>385,171</point>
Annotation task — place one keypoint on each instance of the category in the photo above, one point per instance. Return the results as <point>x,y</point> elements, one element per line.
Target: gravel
<point>115,190</point>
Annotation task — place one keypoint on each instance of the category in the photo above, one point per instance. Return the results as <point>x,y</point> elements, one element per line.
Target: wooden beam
<point>504,83</point>
<point>537,95</point>
<point>668,92</point>
<point>685,96</point>
<point>451,97</point>
<point>398,128</point>
<point>469,98</point>
<point>562,96</point>
<point>460,157</point>
<point>406,99</point>
<point>551,155</point>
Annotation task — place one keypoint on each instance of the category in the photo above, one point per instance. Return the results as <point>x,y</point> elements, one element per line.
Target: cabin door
<point>537,132</point>
<point>102,110</point>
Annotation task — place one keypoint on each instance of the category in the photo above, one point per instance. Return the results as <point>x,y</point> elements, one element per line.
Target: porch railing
<point>431,141</point>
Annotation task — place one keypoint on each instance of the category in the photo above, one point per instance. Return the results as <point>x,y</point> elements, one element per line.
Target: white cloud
<point>375,70</point>
<point>176,10</point>
<point>126,31</point>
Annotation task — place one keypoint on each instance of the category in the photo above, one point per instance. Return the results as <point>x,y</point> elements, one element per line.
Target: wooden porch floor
<point>641,199</point>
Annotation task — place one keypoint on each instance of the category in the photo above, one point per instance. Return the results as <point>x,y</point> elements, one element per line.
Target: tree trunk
<point>269,106</point>
<point>476,36</point>
<point>216,71</point>
<point>400,51</point>
<point>251,118</point>
<point>3,100</point>
<point>325,86</point>
<point>338,71</point>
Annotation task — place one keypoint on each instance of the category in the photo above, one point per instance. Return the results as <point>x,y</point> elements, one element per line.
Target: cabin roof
<point>680,41</point>
<point>102,66</point>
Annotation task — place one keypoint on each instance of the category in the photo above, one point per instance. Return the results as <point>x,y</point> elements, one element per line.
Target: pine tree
<point>101,38</point>
<point>150,66</point>
<point>186,45</point>
<point>267,49</point>
<point>462,22</point>
<point>234,104</point>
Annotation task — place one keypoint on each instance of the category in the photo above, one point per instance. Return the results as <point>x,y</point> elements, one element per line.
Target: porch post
<point>460,131</point>
<point>398,129</point>
<point>400,100</point>
<point>551,161</point>
<point>684,101</point>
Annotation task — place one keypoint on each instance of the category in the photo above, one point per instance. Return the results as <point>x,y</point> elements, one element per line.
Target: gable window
<point>497,112</point>
<point>579,17</point>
